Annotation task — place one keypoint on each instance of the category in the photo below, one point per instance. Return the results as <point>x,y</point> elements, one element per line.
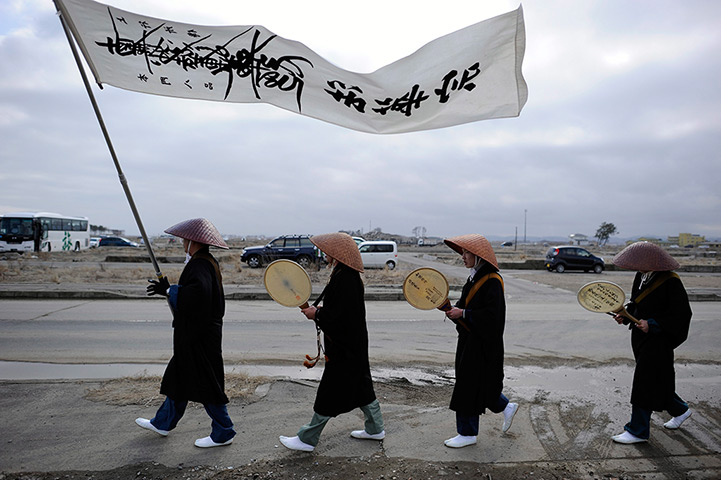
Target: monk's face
<point>469,259</point>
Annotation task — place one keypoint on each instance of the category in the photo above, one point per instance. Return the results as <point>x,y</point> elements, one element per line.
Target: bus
<point>43,232</point>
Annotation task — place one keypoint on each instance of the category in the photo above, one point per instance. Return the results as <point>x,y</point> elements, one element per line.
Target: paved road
<point>138,331</point>
<point>542,322</point>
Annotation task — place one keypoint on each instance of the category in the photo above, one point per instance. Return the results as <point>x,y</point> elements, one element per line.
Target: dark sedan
<point>565,258</point>
<point>117,242</point>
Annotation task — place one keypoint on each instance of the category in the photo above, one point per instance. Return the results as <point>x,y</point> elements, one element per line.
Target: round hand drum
<point>287,283</point>
<point>426,288</point>
<point>604,297</point>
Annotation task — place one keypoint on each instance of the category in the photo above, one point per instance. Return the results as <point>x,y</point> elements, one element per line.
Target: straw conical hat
<point>645,257</point>
<point>198,230</point>
<point>340,246</point>
<point>474,243</point>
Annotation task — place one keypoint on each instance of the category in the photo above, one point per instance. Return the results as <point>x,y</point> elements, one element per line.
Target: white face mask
<point>188,256</point>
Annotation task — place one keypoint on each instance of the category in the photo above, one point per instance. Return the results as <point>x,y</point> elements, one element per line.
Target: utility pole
<point>525,215</point>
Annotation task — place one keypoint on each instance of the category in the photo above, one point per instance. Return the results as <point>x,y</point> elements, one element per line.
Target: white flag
<point>469,75</point>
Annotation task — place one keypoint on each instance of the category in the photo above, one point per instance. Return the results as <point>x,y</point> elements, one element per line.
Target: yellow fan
<point>604,297</point>
<point>426,288</point>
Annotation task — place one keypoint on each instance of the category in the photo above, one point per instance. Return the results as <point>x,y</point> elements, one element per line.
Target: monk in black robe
<point>660,303</point>
<point>195,372</point>
<point>480,318</point>
<point>346,383</point>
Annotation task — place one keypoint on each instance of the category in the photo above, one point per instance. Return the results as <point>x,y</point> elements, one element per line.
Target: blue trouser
<point>467,425</point>
<point>640,424</point>
<point>171,411</point>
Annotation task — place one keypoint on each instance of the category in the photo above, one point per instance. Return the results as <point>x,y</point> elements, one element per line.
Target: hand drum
<point>287,283</point>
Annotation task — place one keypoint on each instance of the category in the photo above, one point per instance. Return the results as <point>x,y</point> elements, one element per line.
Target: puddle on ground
<point>57,371</point>
<point>525,381</point>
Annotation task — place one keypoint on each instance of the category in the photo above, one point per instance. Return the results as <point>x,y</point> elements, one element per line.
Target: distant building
<point>687,239</point>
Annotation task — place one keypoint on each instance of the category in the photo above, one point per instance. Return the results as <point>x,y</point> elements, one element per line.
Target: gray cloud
<point>621,125</point>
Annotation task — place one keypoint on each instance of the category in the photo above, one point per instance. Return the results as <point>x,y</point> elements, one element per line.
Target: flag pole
<point>121,175</point>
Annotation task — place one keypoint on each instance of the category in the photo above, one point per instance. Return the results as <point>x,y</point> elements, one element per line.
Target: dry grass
<point>144,390</point>
<point>90,266</point>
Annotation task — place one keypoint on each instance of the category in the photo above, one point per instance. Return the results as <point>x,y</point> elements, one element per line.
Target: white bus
<point>43,232</point>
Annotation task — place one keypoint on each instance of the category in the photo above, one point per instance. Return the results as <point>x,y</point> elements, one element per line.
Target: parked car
<point>379,254</point>
<point>507,244</point>
<point>116,242</point>
<point>358,240</point>
<point>95,241</point>
<point>562,258</point>
<point>291,247</point>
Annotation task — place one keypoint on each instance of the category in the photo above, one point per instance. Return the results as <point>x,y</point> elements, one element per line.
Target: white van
<point>379,254</point>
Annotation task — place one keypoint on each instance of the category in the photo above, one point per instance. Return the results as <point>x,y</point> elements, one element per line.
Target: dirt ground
<point>378,466</point>
<point>104,265</point>
<point>122,265</point>
<point>307,468</point>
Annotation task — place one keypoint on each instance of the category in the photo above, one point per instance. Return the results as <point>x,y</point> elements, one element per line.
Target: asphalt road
<point>139,331</point>
<point>541,322</point>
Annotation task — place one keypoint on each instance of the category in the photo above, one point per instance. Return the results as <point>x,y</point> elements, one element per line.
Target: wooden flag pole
<point>121,175</point>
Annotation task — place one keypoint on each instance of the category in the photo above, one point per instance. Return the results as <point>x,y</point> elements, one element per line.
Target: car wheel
<point>390,264</point>
<point>560,268</point>
<point>254,261</point>
<point>304,261</point>
<point>597,268</point>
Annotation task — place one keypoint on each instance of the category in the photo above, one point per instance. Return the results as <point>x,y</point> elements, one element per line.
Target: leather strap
<point>476,286</point>
<point>479,283</point>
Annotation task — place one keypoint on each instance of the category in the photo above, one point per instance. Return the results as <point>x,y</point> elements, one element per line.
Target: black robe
<point>196,370</point>
<point>479,353</point>
<point>346,383</point>
<point>654,379</point>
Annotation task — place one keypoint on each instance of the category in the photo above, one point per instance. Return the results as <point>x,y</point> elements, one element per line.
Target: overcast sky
<point>622,125</point>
